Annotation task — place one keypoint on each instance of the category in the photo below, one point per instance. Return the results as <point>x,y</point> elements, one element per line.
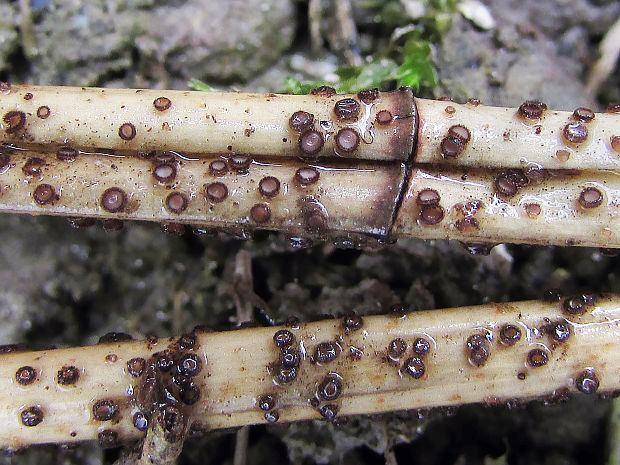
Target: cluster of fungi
<point>372,165</point>
<point>289,173</point>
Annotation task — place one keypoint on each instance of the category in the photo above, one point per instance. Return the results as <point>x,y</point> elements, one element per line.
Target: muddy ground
<point>63,287</point>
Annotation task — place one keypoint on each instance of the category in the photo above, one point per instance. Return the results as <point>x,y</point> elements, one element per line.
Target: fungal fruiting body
<point>492,353</point>
<point>349,168</point>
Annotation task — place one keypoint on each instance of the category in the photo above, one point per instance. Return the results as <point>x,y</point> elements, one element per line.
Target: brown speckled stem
<point>506,137</point>
<point>206,122</point>
<point>327,201</point>
<point>232,162</point>
<point>492,353</point>
<point>545,213</point>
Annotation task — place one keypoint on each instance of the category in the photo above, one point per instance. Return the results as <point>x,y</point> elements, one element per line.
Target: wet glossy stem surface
<point>348,168</point>
<point>493,353</point>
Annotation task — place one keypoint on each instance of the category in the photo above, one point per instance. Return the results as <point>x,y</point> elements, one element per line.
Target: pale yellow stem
<point>547,213</point>
<point>203,122</point>
<point>500,138</point>
<point>238,368</point>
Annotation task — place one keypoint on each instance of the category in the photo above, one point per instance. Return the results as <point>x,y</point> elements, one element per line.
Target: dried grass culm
<point>492,353</point>
<point>348,168</point>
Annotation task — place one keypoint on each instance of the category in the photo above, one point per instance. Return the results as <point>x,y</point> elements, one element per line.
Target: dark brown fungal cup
<point>451,147</point>
<point>613,107</point>
<point>306,176</point>
<point>347,140</point>
<point>474,101</point>
<point>477,350</point>
<point>323,91</point>
<point>615,143</point>
<point>283,338</point>
<point>14,121</point>
<point>575,305</point>
<point>329,411</point>
<point>537,358</point>
<point>285,375</point>
<point>260,213</point>
<point>33,166</point>
<point>431,214</point>
<point>289,358</point>
<point>176,202</point>
<point>165,172</point>
<point>218,168</point>
<point>67,375</point>
<point>187,342</point>
<point>127,131</point>
<point>325,352</point>
<point>68,154</point>
<point>509,335</point>
<point>266,402</point>
<point>352,321</point>
<point>311,142</point>
<point>421,346</point>
<point>384,117</point>
<point>31,416</point>
<point>140,421</point>
<point>414,367</point>
<point>43,112</point>
<point>162,103</point>
<point>216,191</point>
<point>347,109</point>
<point>164,360</point>
<point>575,133</point>
<point>531,109</point>
<point>459,132</point>
<point>532,209</point>
<point>44,194</point>
<point>272,416</point>
<point>428,197</point>
<point>136,366</point>
<point>188,365</point>
<point>368,95</point>
<point>330,388</point>
<point>269,187</point>
<point>396,348</point>
<point>239,162</point>
<point>450,110</point>
<point>505,186</point>
<point>104,410</point>
<point>587,382</point>
<point>28,96</point>
<point>559,331</point>
<point>300,121</point>
<point>190,393</point>
<point>583,114</point>
<point>590,197</point>
<point>25,375</point>
<point>113,200</point>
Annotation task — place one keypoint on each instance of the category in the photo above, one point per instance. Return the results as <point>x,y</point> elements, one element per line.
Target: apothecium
<point>349,168</point>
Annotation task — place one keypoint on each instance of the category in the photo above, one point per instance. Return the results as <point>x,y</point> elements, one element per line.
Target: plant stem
<point>492,353</point>
<point>497,174</point>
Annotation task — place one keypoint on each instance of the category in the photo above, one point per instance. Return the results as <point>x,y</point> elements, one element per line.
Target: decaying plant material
<point>494,353</point>
<point>349,168</point>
